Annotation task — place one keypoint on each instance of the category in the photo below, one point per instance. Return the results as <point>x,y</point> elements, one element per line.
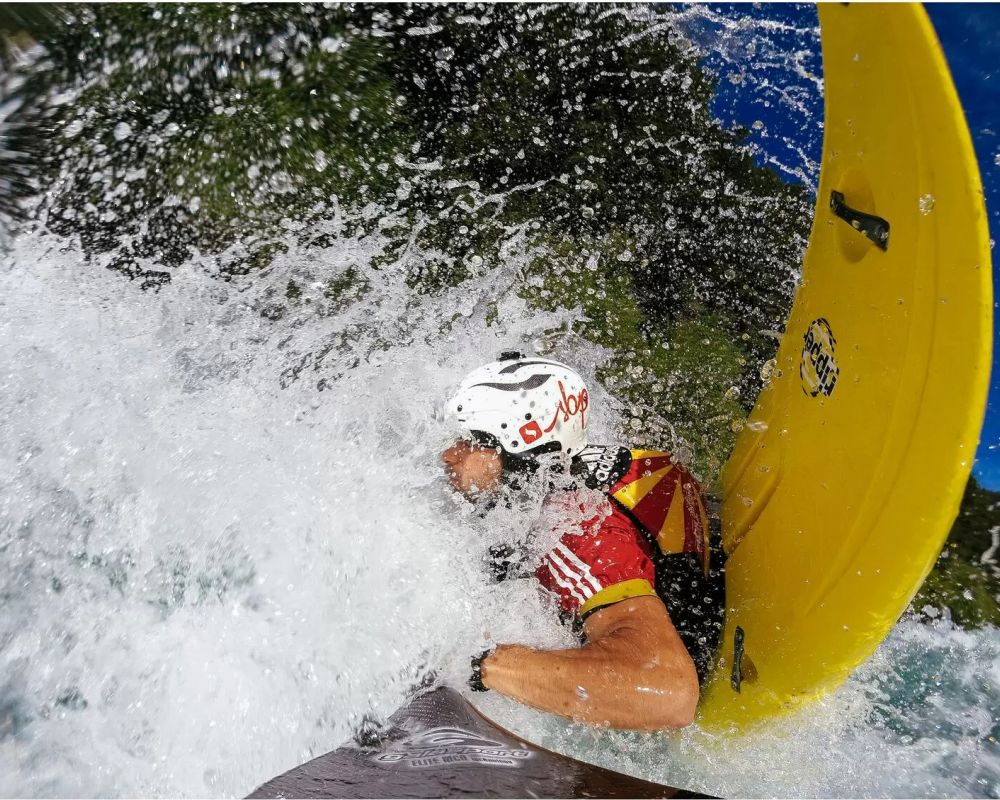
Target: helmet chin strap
<point>483,439</point>
<point>520,465</point>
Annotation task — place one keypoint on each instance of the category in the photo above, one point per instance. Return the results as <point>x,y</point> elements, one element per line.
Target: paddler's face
<point>473,469</point>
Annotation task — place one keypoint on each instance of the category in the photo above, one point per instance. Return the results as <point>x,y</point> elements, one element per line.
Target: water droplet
<point>73,129</point>
<point>926,204</point>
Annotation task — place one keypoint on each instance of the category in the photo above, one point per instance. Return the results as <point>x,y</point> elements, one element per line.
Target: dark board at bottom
<point>439,746</point>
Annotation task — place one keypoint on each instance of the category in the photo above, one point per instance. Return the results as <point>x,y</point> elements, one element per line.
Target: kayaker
<point>640,538</point>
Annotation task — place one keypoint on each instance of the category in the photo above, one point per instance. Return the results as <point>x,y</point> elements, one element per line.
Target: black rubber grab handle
<point>875,228</point>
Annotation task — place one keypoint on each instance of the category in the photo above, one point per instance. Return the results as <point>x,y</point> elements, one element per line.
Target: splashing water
<point>226,540</point>
<point>918,720</point>
<point>746,51</point>
<point>208,578</point>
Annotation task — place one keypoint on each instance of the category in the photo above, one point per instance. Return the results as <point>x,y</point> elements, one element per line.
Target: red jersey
<point>653,505</point>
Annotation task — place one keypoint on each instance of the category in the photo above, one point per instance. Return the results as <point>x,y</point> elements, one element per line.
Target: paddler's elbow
<point>668,703</point>
<point>685,709</point>
<point>678,710</point>
<point>678,697</point>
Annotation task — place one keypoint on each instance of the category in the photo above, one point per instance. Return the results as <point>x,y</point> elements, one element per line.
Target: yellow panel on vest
<point>629,496</point>
<point>638,454</point>
<point>671,535</point>
<point>703,516</point>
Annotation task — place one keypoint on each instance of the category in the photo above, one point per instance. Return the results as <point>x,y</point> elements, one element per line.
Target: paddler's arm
<point>634,672</point>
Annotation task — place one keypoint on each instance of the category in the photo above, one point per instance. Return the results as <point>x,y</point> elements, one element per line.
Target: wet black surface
<point>439,746</point>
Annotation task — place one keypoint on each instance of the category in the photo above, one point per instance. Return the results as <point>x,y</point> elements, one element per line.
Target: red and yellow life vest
<point>657,492</point>
<point>666,500</point>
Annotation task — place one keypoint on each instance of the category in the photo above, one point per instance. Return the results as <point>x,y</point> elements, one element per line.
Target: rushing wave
<point>207,577</point>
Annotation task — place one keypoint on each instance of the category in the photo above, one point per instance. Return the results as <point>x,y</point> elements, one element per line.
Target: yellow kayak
<point>847,478</point>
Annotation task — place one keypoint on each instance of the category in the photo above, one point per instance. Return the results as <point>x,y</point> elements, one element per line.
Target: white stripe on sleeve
<point>582,586</point>
<point>564,583</point>
<point>581,568</point>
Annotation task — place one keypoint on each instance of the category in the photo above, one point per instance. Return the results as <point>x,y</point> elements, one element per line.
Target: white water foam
<point>208,578</point>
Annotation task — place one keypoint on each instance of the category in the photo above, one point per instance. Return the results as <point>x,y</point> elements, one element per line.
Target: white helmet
<point>524,405</point>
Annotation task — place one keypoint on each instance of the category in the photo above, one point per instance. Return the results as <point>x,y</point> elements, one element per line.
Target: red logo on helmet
<point>569,406</point>
<point>530,432</point>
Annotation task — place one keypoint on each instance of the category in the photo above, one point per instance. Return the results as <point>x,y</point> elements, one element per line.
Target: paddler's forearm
<point>600,684</point>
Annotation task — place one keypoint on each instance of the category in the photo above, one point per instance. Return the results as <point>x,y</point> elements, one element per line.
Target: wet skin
<point>473,469</point>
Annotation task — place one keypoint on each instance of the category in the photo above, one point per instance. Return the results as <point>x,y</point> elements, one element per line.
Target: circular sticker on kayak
<point>819,368</point>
